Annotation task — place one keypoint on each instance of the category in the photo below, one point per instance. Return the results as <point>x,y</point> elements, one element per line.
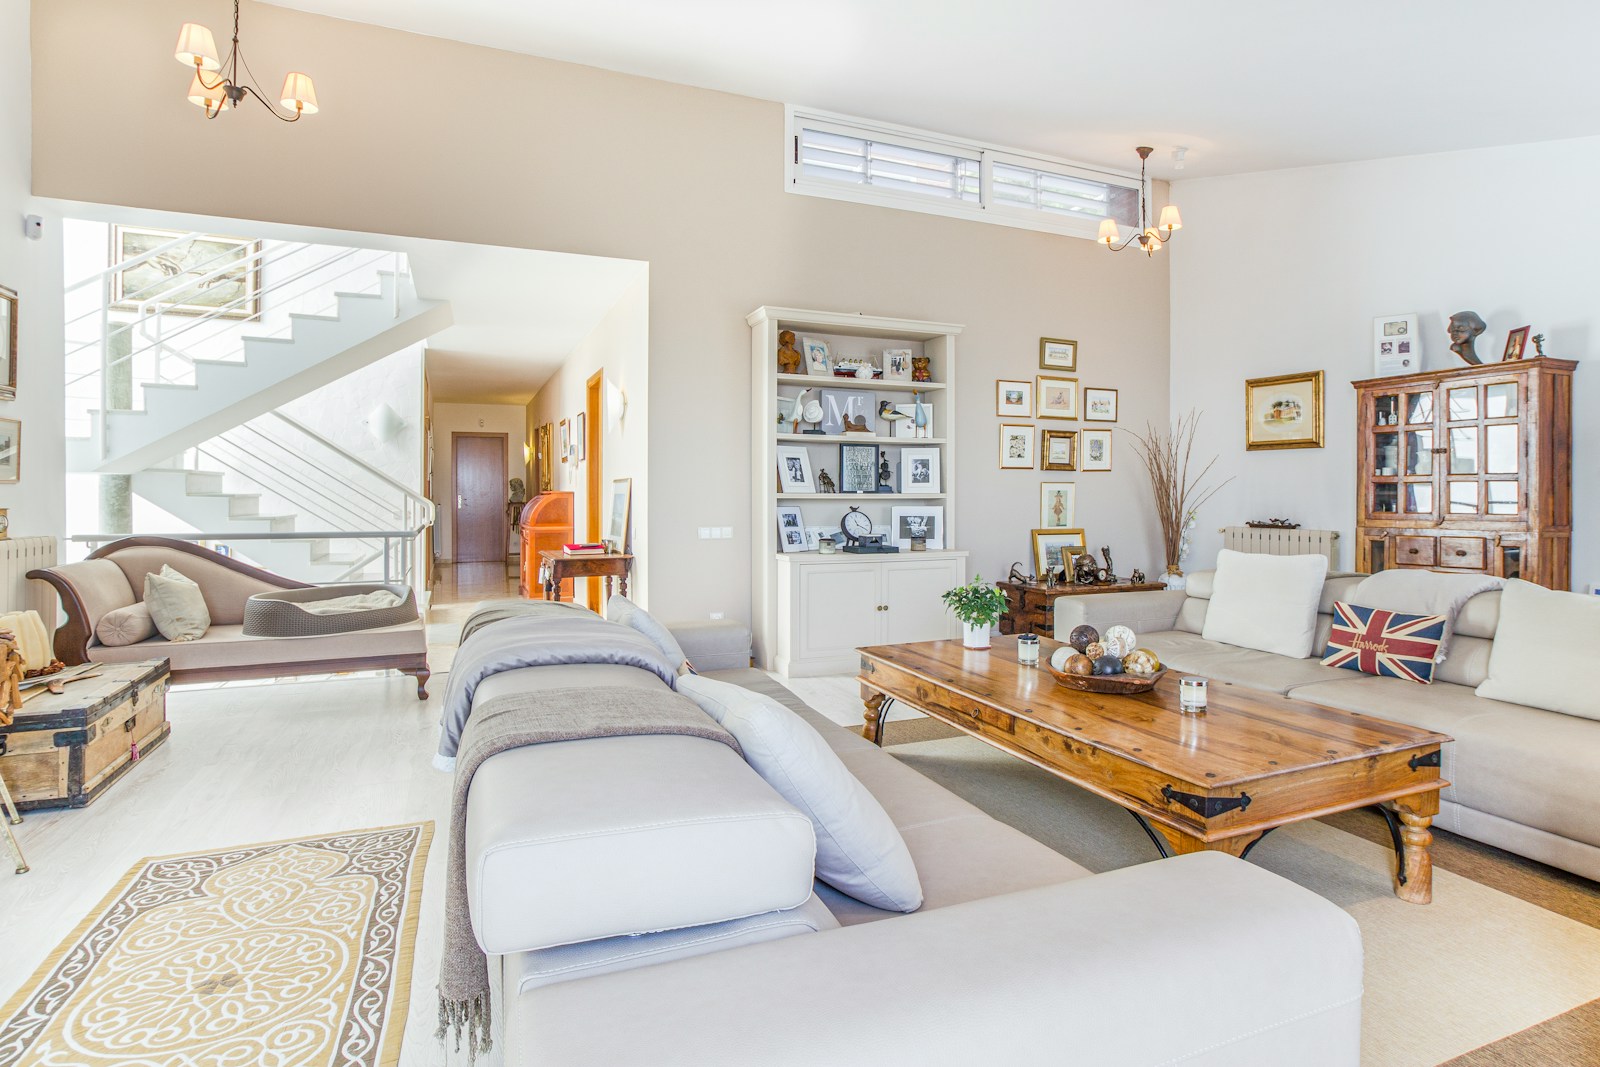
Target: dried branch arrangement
<point>1167,456</point>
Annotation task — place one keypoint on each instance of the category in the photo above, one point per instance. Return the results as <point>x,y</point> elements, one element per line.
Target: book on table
<point>584,548</point>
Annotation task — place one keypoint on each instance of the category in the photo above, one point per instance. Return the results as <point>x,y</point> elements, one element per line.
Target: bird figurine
<point>919,418</point>
<point>798,409</point>
<point>888,412</point>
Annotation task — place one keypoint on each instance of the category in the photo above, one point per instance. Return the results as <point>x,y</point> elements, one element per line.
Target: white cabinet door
<point>837,613</point>
<point>911,589</point>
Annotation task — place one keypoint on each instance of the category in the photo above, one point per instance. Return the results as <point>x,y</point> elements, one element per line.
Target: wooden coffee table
<point>1219,781</point>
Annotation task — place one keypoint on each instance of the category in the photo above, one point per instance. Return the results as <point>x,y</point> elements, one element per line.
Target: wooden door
<point>594,504</point>
<point>479,523</point>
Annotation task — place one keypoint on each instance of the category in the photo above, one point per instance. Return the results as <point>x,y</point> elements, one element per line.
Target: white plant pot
<point>974,636</point>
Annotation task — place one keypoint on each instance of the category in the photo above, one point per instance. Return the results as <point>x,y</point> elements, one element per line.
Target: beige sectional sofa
<point>590,863</point>
<point>1521,778</point>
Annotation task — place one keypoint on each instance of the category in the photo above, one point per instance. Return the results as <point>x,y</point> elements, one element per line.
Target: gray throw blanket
<point>535,639</point>
<point>1419,592</point>
<point>512,721</point>
<point>492,611</point>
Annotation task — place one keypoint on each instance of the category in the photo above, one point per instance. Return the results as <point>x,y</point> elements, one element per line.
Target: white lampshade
<point>211,99</point>
<point>385,423</point>
<point>196,47</point>
<point>1108,232</point>
<point>299,94</point>
<point>1170,219</point>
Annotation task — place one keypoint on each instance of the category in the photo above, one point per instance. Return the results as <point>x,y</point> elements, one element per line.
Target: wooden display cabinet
<point>1468,470</point>
<point>545,524</point>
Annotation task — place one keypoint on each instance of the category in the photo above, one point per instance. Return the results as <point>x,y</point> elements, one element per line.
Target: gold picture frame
<point>1056,546</point>
<point>1055,398</point>
<point>1058,353</point>
<point>1050,444</point>
<point>8,343</point>
<point>1283,411</point>
<point>223,273</point>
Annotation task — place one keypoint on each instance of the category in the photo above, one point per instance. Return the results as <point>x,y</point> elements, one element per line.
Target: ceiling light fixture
<point>198,49</point>
<point>1149,237</point>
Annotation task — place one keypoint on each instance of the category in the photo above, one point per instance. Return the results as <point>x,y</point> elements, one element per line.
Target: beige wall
<point>509,419</point>
<point>508,149</point>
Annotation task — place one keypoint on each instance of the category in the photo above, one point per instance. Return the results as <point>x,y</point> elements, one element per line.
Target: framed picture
<point>924,521</point>
<point>816,351</point>
<point>1099,405</point>
<point>1053,549</point>
<point>617,531</point>
<point>202,276</point>
<point>791,529</point>
<point>10,451</point>
<point>1284,411</point>
<point>1094,450</point>
<point>544,442</point>
<point>1057,354</point>
<point>1516,343</point>
<point>1058,450</point>
<point>815,534</point>
<point>1058,505</point>
<point>1016,447</point>
<point>580,442</point>
<point>1396,345</point>
<point>794,470</point>
<point>566,440</point>
<point>907,427</point>
<point>849,411</point>
<point>919,471</point>
<point>858,468</point>
<point>1058,398</point>
<point>1013,398</point>
<point>8,343</point>
<point>897,364</point>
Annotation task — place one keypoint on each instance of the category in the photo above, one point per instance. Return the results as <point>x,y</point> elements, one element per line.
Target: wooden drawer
<point>1416,551</point>
<point>1467,553</point>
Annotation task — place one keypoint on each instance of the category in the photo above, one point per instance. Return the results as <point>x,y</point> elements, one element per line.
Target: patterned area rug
<point>285,954</point>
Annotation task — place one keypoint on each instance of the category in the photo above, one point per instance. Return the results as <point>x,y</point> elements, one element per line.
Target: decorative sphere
<point>1107,664</point>
<point>1079,664</point>
<point>1119,640</point>
<point>1095,649</point>
<point>1058,658</point>
<point>1082,636</point>
<point>1141,661</point>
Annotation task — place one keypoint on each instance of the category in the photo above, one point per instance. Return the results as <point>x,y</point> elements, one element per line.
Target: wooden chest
<point>63,751</point>
<point>1030,607</point>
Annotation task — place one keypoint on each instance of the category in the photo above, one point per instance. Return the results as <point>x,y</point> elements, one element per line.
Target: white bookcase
<point>811,611</point>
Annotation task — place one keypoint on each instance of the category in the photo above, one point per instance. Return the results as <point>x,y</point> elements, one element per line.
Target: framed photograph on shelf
<point>1099,405</point>
<point>10,451</point>
<point>1013,399</point>
<point>1094,450</point>
<point>794,470</point>
<point>1057,354</point>
<point>8,343</point>
<point>1053,549</point>
<point>1058,505</point>
<point>617,532</point>
<point>1058,398</point>
<point>791,529</point>
<point>206,275</point>
<point>1516,343</point>
<point>1396,345</point>
<point>924,521</point>
<point>1016,447</point>
<point>817,359</point>
<point>858,468</point>
<point>1284,411</point>
<point>919,471</point>
<point>907,427</point>
<point>815,534</point>
<point>1058,450</point>
<point>897,364</point>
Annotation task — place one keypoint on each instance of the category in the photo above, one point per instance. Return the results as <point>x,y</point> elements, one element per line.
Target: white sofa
<point>1017,956</point>
<point>1521,778</point>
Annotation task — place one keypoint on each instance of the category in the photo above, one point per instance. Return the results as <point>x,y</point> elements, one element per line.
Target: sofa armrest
<point>1202,958</point>
<point>1152,611</point>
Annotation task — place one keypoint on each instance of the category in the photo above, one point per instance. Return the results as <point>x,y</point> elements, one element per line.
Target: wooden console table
<point>555,567</point>
<point>1030,606</point>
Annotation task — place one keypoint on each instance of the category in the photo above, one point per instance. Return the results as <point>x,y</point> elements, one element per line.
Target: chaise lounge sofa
<point>113,576</point>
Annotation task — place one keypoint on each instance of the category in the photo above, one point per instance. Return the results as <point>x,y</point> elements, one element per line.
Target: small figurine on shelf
<point>919,416</point>
<point>1137,577</point>
<point>889,413</point>
<point>797,410</point>
<point>1464,328</point>
<point>1108,573</point>
<point>825,482</point>
<point>920,371</point>
<point>1538,346</point>
<point>1084,571</point>
<point>789,358</point>
<point>885,474</point>
<point>1017,576</point>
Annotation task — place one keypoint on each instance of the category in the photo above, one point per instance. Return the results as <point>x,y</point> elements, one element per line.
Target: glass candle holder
<point>1191,695</point>
<point>1028,650</point>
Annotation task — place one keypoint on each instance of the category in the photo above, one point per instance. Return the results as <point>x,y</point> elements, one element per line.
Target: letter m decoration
<point>1388,643</point>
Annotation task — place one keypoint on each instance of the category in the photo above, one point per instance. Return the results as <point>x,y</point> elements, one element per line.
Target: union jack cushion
<point>1387,643</point>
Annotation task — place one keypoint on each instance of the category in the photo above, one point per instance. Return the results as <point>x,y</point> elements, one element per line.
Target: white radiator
<point>1283,542</point>
<point>18,556</point>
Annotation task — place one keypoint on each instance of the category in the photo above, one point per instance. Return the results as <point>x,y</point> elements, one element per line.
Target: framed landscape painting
<point>1099,405</point>
<point>1013,399</point>
<point>1284,411</point>
<point>1059,450</point>
<point>1053,549</point>
<point>1057,354</point>
<point>201,276</point>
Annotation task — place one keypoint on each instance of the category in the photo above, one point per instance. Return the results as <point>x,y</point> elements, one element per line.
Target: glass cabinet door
<point>1483,449</point>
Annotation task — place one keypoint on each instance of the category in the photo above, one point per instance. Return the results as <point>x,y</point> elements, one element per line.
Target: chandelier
<point>216,86</point>
<point>1149,237</point>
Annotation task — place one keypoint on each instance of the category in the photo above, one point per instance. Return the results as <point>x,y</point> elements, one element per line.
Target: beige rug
<point>1472,967</point>
<point>286,954</point>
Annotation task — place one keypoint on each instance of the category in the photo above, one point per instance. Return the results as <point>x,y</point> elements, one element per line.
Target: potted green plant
<point>979,605</point>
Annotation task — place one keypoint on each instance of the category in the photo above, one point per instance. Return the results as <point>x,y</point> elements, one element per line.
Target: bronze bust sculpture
<point>1465,326</point>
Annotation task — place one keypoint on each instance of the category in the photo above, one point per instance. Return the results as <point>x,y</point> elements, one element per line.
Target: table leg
<point>1414,866</point>
<point>877,709</point>
<point>608,588</point>
<point>8,815</point>
<point>624,581</point>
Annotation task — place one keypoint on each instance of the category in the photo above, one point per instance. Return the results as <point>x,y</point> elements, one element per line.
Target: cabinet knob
<point>1411,551</point>
<point>1461,552</point>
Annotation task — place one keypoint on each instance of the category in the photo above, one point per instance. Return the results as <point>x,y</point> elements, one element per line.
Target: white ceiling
<point>1246,84</point>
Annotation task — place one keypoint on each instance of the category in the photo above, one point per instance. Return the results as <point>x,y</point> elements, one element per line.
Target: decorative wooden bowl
<point>1104,683</point>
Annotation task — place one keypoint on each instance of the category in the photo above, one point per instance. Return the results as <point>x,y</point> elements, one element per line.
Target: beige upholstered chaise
<point>113,577</point>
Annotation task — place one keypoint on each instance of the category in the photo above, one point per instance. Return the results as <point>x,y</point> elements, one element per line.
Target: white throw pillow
<point>176,605</point>
<point>1268,603</point>
<point>620,609</point>
<point>126,626</point>
<point>1543,654</point>
<point>859,851</point>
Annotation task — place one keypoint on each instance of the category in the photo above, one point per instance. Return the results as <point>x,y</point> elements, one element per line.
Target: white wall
<point>619,345</point>
<point>37,502</point>
<point>509,419</point>
<point>1285,271</point>
<point>343,412</point>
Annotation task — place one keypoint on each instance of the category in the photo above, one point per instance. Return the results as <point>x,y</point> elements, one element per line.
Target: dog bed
<point>284,613</point>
